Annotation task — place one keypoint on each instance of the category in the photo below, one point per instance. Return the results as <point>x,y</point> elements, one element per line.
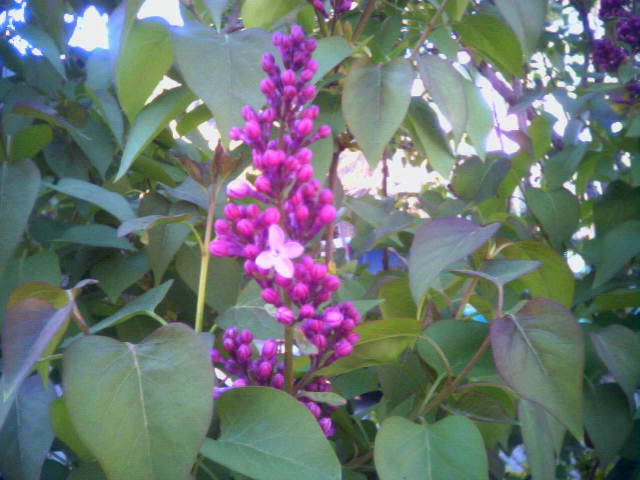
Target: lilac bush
<point>283,213</point>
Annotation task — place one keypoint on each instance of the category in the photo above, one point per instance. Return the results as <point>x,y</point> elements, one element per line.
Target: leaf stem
<point>430,27</point>
<point>368,10</point>
<point>451,387</point>
<point>288,358</point>
<point>465,299</point>
<point>214,189</point>
<point>79,319</point>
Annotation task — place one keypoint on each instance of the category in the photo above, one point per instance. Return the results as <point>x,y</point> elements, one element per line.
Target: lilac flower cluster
<point>284,208</point>
<point>607,55</point>
<point>610,9</point>
<point>338,6</point>
<point>628,31</point>
<point>631,94</point>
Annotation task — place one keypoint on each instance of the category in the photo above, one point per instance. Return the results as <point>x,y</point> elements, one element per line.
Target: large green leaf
<point>553,279</point>
<point>224,277</point>
<point>438,244</point>
<point>448,449</point>
<point>116,274</point>
<point>381,342</point>
<point>43,42</point>
<point>263,13</point>
<point>526,18</point>
<point>607,419</point>
<point>620,245</point>
<point>143,410</point>
<point>19,185</point>
<point>619,349</point>
<point>145,57</point>
<point>268,435</point>
<point>96,141</point>
<point>112,202</point>
<point>26,436</point>
<point>447,88</point>
<point>216,8</point>
<point>429,137</point>
<point>223,79</point>
<point>488,36</point>
<point>458,340</point>
<point>29,141</point>
<point>150,122</point>
<point>539,352</point>
<point>329,53</point>
<point>375,100</point>
<point>36,312</point>
<point>542,435</point>
<point>557,211</point>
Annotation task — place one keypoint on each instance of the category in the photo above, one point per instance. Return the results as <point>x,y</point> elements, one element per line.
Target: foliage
<point>500,304</point>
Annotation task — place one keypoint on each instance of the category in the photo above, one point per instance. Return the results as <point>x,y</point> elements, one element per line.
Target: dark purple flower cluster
<point>628,31</point>
<point>612,9</point>
<point>631,94</point>
<point>338,6</point>
<point>286,209</point>
<point>607,55</point>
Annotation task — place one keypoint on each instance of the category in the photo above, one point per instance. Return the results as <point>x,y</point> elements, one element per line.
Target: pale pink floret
<point>280,253</point>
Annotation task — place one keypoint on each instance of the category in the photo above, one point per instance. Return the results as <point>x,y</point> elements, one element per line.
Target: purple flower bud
<point>264,370</point>
<point>305,173</point>
<point>305,155</point>
<point>288,77</point>
<point>246,336</point>
<point>319,271</point>
<point>269,349</point>
<point>313,407</point>
<point>353,337</point>
<point>278,381</point>
<point>268,62</point>
<point>244,227</point>
<point>285,316</point>
<point>327,214</point>
<point>228,344</point>
<point>250,251</point>
<point>326,196</point>
<point>311,112</point>
<point>307,93</point>
<point>327,427</point>
<point>323,297</point>
<point>273,158</point>
<point>269,295</point>
<point>310,45</point>
<point>262,184</point>
<point>214,355</point>
<point>324,131</point>
<point>238,189</point>
<point>320,341</point>
<point>333,318</point>
<point>240,382</point>
<point>314,325</point>
<point>282,281</point>
<point>303,127</point>
<point>219,248</point>
<point>343,348</point>
<point>292,164</point>
<point>289,92</point>
<point>232,212</point>
<point>331,283</point>
<point>307,311</point>
<point>248,113</point>
<point>300,291</point>
<point>306,76</point>
<point>271,216</point>
<point>252,129</point>
<point>253,211</point>
<point>250,267</point>
<point>243,353</point>
<point>302,212</point>
<point>269,115</point>
<point>348,325</point>
<point>297,33</point>
<point>235,133</point>
<point>267,86</point>
<point>221,227</point>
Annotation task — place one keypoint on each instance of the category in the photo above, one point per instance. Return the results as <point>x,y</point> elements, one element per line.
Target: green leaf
<point>438,244</point>
<point>397,299</point>
<point>447,88</point>
<point>480,121</point>
<point>527,19</point>
<point>456,8</point>
<point>561,166</point>
<point>112,202</point>
<point>430,139</point>
<point>264,13</point>
<point>619,203</point>
<point>619,349</point>
<point>145,304</point>
<point>607,419</point>
<point>96,235</point>
<point>489,37</point>
<point>539,352</point>
<point>25,438</point>
<point>19,186</point>
<point>224,277</point>
<point>557,212</point>
<point>36,312</point>
<point>150,122</point>
<point>381,342</point>
<point>542,435</point>
<point>459,340</point>
<point>95,140</point>
<point>328,398</point>
<point>216,8</point>
<point>620,245</point>
<point>29,141</point>
<point>88,471</point>
<point>329,53</point>
<point>251,313</point>
<point>150,221</point>
<point>476,181</point>
<point>99,69</point>
<point>145,57</point>
<point>65,431</point>
<point>108,108</point>
<point>268,435</point>
<point>553,279</point>
<point>143,410</point>
<point>116,274</point>
<point>410,451</point>
<point>540,135</point>
<point>375,101</point>
<point>43,42</point>
<point>214,71</point>
<point>500,271</point>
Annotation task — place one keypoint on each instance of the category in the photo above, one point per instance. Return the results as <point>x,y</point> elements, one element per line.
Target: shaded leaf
<point>264,13</point>
<point>29,141</point>
<point>65,431</point>
<point>557,212</point>
<point>620,245</point>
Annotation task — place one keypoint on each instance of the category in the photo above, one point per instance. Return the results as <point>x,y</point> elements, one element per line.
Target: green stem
<point>204,256</point>
<point>466,297</point>
<point>288,358</point>
<point>430,27</point>
<point>368,10</point>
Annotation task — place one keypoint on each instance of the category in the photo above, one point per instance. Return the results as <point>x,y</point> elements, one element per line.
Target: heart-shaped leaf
<point>142,410</point>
